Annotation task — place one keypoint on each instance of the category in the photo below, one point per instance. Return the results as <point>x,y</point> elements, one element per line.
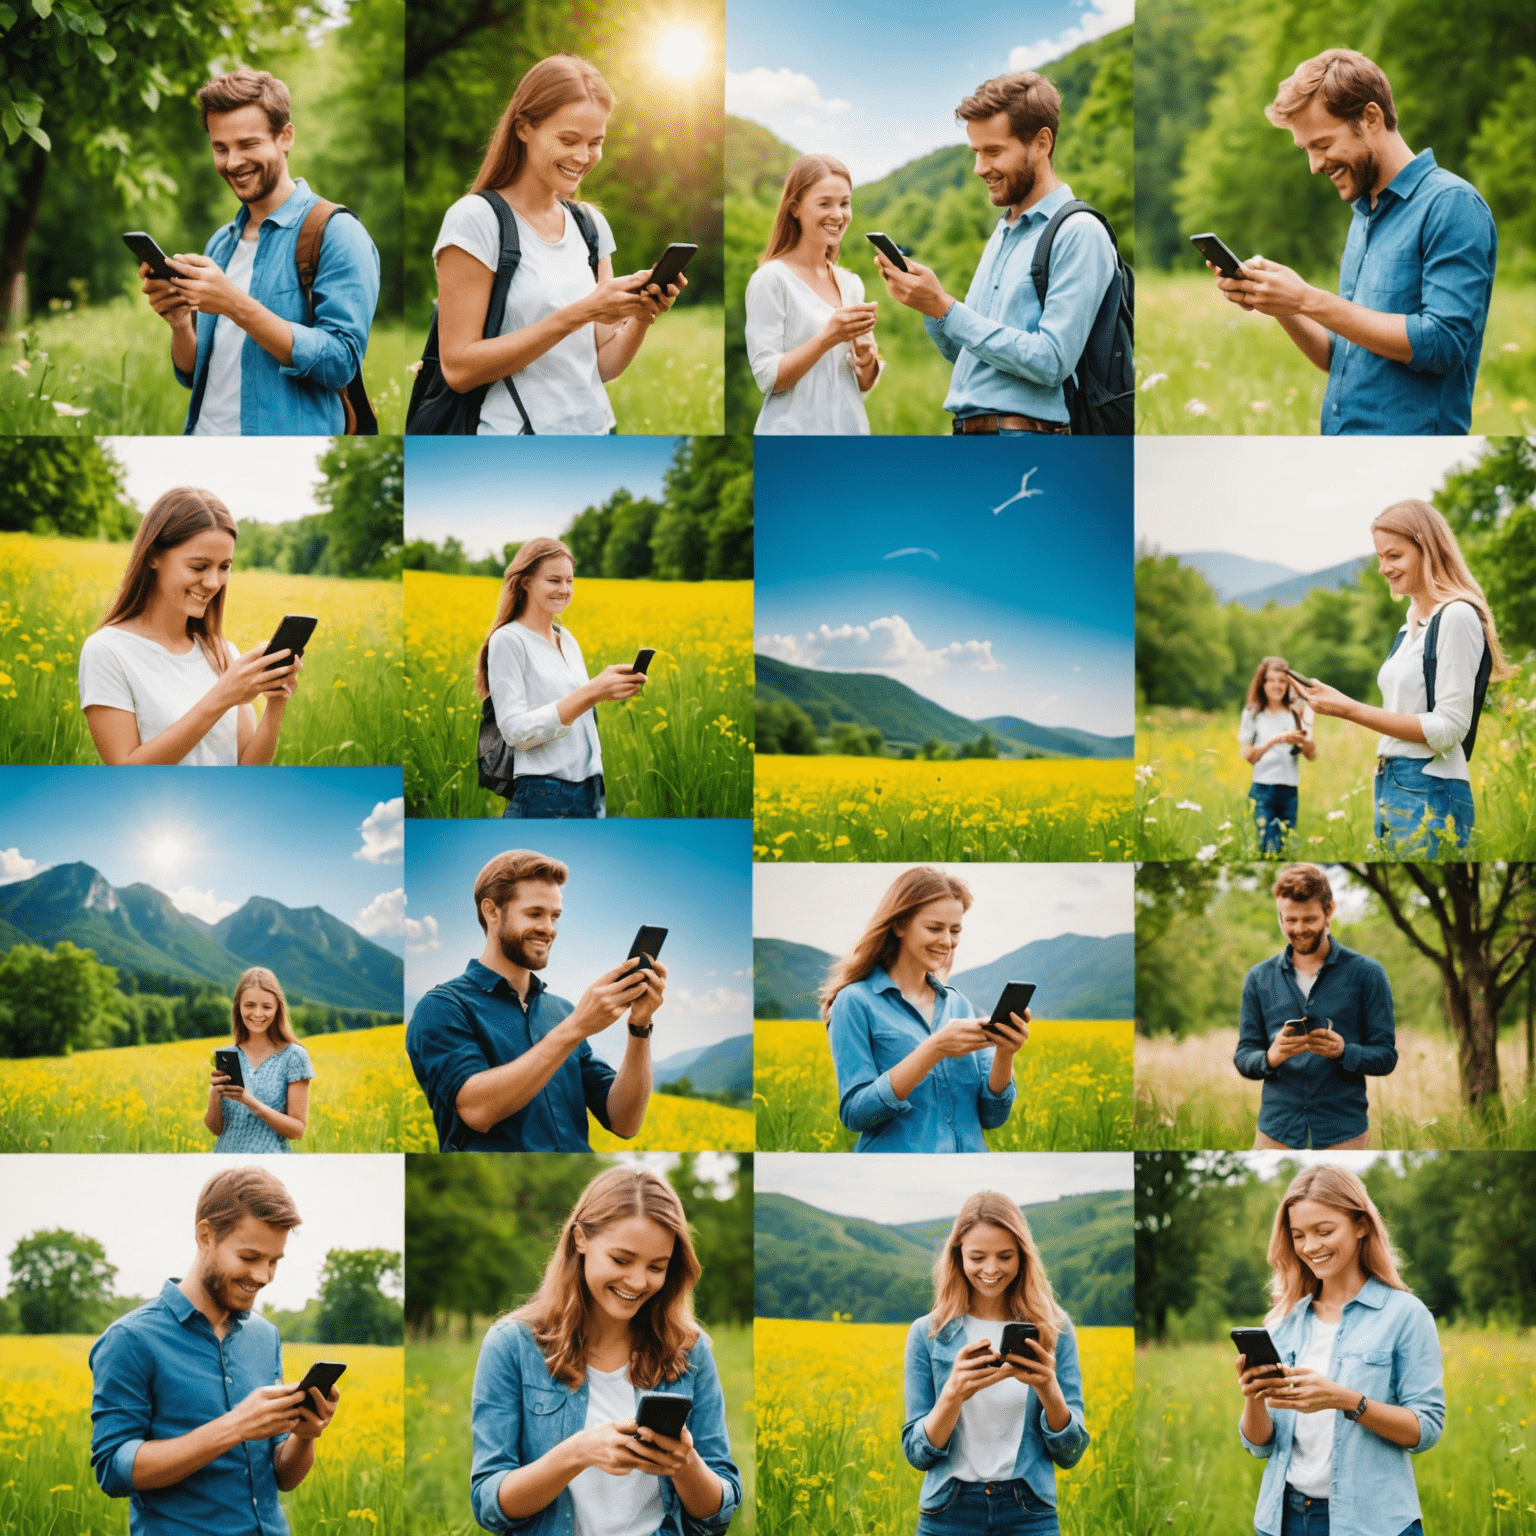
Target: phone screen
<point>1218,253</point>
<point>887,248</point>
<point>647,942</point>
<point>1015,999</point>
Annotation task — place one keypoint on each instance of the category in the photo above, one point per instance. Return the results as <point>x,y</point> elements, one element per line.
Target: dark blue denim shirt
<point>1311,1099</point>
<point>475,1022</point>
<point>1427,251</point>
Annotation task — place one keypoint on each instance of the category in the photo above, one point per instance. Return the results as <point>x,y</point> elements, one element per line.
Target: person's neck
<point>265,207</point>
<point>1045,183</point>
<point>909,974</point>
<point>985,1311</point>
<point>1420,607</point>
<point>539,621</point>
<point>530,196</point>
<point>259,1043</point>
<point>1390,163</point>
<point>607,1337</point>
<point>196,1292</point>
<point>518,977</point>
<point>166,622</point>
<point>1314,961</point>
<point>1335,1293</point>
<point>810,255</point>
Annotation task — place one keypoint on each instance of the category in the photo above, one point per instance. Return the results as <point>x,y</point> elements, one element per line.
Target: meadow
<point>830,1411</point>
<point>54,592</point>
<point>151,1098</point>
<point>47,1487</point>
<point>1204,366</point>
<point>867,810</point>
<point>1074,1078</point>
<point>440,1374</point>
<point>682,748</point>
<point>1194,1477</point>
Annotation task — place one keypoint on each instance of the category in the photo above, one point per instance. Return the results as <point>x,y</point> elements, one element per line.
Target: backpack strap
<point>1431,659</point>
<point>306,257</point>
<point>588,227</point>
<point>506,269</point>
<point>1040,262</point>
<point>1397,640</point>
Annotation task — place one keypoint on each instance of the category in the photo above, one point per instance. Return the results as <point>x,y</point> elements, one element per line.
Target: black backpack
<point>1101,393</point>
<point>435,409</point>
<point>494,754</point>
<point>1431,664</point>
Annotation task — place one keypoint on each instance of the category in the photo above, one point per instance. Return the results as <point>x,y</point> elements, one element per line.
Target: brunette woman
<point>270,1107</point>
<point>1275,732</point>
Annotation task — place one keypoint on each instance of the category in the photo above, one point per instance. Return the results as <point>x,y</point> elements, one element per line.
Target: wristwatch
<point>641,1034</point>
<point>1353,1414</point>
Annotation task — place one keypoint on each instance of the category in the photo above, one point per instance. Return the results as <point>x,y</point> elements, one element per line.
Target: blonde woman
<point>557,1447</point>
<point>1361,1390</point>
<point>270,1107</point>
<point>1423,788</point>
<point>989,1431</point>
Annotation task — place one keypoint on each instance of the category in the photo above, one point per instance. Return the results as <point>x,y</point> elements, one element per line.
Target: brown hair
<point>798,180</point>
<point>229,1197</point>
<point>514,596</point>
<point>552,83</point>
<point>173,519</point>
<point>1030,100</point>
<point>246,88</point>
<point>663,1330</point>
<point>499,880</point>
<point>1257,699</point>
<point>1303,882</point>
<point>282,1027</point>
<point>1348,81</point>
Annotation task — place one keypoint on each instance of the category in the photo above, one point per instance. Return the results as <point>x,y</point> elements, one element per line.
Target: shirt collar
<point>1335,952</point>
<point>183,1311</point>
<point>488,980</point>
<point>296,204</point>
<point>881,980</point>
<point>1405,183</point>
<point>1040,212</point>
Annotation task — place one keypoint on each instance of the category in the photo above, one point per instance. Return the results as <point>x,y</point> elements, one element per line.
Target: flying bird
<point>914,549</point>
<point>1024,492</point>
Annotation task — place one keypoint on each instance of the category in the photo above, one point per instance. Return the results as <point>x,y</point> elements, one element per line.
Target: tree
<point>983,747</point>
<point>709,482</point>
<point>627,552</point>
<point>67,485</point>
<point>60,1282</point>
<point>1182,656</point>
<point>782,726</point>
<point>364,492</point>
<point>587,534</point>
<point>50,1004</point>
<point>723,1239</point>
<point>353,1306</point>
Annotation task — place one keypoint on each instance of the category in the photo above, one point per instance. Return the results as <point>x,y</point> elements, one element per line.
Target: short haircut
<point>1304,882</point>
<point>246,88</point>
<point>499,880</point>
<point>1030,100</point>
<point>229,1197</point>
<point>1347,81</point>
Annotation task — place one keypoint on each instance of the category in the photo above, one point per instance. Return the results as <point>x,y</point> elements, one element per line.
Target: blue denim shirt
<point>1316,1096</point>
<point>1009,357</point>
<point>1387,1347</point>
<point>871,1029</point>
<point>519,1412</point>
<point>296,399</point>
<point>1041,1449</point>
<point>1427,251</point>
<point>160,1372</point>
<point>475,1022</point>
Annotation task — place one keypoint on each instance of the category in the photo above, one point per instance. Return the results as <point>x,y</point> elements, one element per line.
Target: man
<point>243,339</point>
<point>1011,358</point>
<point>191,1420</point>
<point>1401,339</point>
<point>1341,1004</point>
<point>505,1064</point>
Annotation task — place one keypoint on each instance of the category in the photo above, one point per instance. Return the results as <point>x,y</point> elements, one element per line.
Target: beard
<point>1309,944</point>
<point>513,951</point>
<point>266,179</point>
<point>1363,174</point>
<point>1018,187</point>
<point>220,1286</point>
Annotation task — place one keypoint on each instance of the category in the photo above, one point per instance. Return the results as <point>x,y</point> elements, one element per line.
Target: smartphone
<point>1299,1026</point>
<point>147,249</point>
<point>228,1062</point>
<point>1256,1346</point>
<point>323,1374</point>
<point>643,660</point>
<point>1306,682</point>
<point>1015,999</point>
<point>887,248</point>
<point>664,1413</point>
<point>647,942</point>
<point>292,635</point>
<point>1215,251</point>
<point>1014,1337</point>
<point>670,267</point>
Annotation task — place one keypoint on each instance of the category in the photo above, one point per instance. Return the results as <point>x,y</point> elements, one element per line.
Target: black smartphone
<point>647,942</point>
<point>1306,682</point>
<point>147,249</point>
<point>643,660</point>
<point>1304,1026</point>
<point>887,248</point>
<point>663,1413</point>
<point>1256,1346</point>
<point>323,1374</point>
<point>292,635</point>
<point>228,1062</point>
<point>670,267</point>
<point>1015,1336</point>
<point>1216,251</point>
<point>1015,999</point>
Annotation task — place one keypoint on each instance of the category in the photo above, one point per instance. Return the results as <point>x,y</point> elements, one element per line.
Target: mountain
<point>1290,592</point>
<point>1064,740</point>
<point>1232,574</point>
<point>670,1068</point>
<point>786,978</point>
<point>1075,977</point>
<point>725,1067</point>
<point>755,158</point>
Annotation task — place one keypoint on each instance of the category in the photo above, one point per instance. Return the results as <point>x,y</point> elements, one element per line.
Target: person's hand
<point>1011,1036</point>
<point>619,681</point>
<point>1325,1042</point>
<point>668,1457</point>
<point>166,299</point>
<point>959,1037</point>
<point>204,286</point>
<point>1038,1367</point>
<point>607,999</point>
<point>266,1412</point>
<point>1266,287</point>
<point>849,322</point>
<point>613,1448</point>
<point>1256,1381</point>
<point>1307,1392</point>
<point>974,1371</point>
<point>316,1411</point>
<point>231,1091</point>
<point>918,288</point>
<point>1323,700</point>
<point>643,1009</point>
<point>864,350</point>
<point>246,679</point>
<point>1284,1046</point>
<point>617,299</point>
<point>657,302</point>
<point>284,681</point>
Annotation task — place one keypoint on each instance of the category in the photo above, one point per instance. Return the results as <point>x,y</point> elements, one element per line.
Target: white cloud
<point>385,915</point>
<point>420,936</point>
<point>883,645</point>
<point>716,1000</point>
<point>203,904</point>
<point>383,834</point>
<point>14,867</point>
<point>763,93</point>
<point>1103,16</point>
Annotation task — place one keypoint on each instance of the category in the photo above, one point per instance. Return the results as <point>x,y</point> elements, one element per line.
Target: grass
<point>437,1430</point>
<point>1205,366</point>
<point>683,748</point>
<point>1074,1079</point>
<point>54,592</point>
<point>1193,1476</point>
<point>830,1411</point>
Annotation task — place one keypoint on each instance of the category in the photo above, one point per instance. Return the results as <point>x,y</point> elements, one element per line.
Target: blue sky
<point>488,491</point>
<point>877,83</point>
<point>693,878</point>
<point>885,555</point>
<point>211,838</point>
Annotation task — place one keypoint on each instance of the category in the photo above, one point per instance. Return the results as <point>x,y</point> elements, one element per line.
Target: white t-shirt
<point>605,1503</point>
<point>1458,652</point>
<point>1306,980</point>
<point>220,413</point>
<point>1277,766</point>
<point>985,1447</point>
<point>561,390</point>
<point>1311,1468</point>
<point>528,678</point>
<point>133,672</point>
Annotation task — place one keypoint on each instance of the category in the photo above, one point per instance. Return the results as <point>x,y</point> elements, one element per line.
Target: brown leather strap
<point>306,253</point>
<point>966,425</point>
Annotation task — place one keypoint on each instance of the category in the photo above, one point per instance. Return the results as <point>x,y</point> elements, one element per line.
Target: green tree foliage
<point>722,1236</point>
<point>704,530</point>
<point>627,549</point>
<point>51,1004</point>
<point>61,1282</point>
<point>1182,655</point>
<point>354,1308</point>
<point>364,492</point>
<point>451,559</point>
<point>67,485</point>
<point>782,726</point>
<point>857,741</point>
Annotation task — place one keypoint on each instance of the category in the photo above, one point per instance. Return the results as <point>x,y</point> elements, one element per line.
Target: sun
<point>680,52</point>
<point>166,848</point>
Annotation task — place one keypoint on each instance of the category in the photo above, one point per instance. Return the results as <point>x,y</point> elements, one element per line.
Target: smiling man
<point>1401,339</point>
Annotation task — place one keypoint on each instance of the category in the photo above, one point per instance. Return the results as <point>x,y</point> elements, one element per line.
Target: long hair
<point>1446,576</point>
<point>514,596</point>
<point>798,180</point>
<point>1028,1299</point>
<point>1257,699</point>
<point>560,1311</point>
<point>552,83</point>
<point>175,517</point>
<point>282,1025</point>
<point>1329,1185</point>
<point>879,944</point>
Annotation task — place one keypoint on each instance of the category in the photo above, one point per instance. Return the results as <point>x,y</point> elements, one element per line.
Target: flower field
<point>829,1414</point>
<point>683,748</point>
<point>863,810</point>
<point>682,1125</point>
<point>1074,1077</point>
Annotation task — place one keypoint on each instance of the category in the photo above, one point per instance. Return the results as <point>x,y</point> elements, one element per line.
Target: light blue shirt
<point>1386,1347</point>
<point>245,1130</point>
<point>1010,358</point>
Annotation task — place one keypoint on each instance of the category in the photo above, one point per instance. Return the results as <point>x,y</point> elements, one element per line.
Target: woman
<point>532,671</point>
<point>989,1431</point>
<point>556,1391</point>
<point>159,683</point>
<point>271,1108</point>
<point>1361,1389</point>
<point>810,335</point>
<point>1274,731</point>
<point>565,331</point>
<point>1423,788</point>
<point>917,1071</point>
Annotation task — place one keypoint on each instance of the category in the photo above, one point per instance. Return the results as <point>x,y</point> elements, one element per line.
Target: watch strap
<point>1354,1415</point>
<point>641,1034</point>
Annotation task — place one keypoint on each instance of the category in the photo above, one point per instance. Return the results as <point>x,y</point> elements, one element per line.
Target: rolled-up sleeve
<point>496,1428</point>
<point>1459,650</point>
<point>1253,1447</point>
<point>1375,1053</point>
<point>767,314</point>
<point>522,724</point>
<point>444,1049</point>
<point>1460,245</point>
<point>712,1441</point>
<point>1251,1058</point>
<point>920,1398</point>
<point>1420,1377</point>
<point>1065,1446</point>
<point>993,1108</point>
<point>596,1081</point>
<point>345,293</point>
<point>121,1409</point>
<point>865,1098</point>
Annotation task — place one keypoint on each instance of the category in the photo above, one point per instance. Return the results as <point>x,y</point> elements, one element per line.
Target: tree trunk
<point>20,221</point>
<point>1472,1013</point>
<point>1530,1028</point>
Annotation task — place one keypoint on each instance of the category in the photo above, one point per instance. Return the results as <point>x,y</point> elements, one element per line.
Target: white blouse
<point>528,678</point>
<point>1401,680</point>
<point>1279,765</point>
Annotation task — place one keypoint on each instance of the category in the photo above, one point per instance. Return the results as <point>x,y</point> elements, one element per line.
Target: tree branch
<point>1367,873</point>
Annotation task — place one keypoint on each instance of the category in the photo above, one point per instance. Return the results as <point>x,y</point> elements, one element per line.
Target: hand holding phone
<point>228,1062</point>
<point>1016,1337</point>
<point>887,248</point>
<point>1014,1000</point>
<point>1216,251</point>
<point>669,268</point>
<point>323,1375</point>
<point>663,1413</point>
<point>147,249</point>
<point>647,946</point>
<point>1295,676</point>
<point>292,636</point>
<point>1258,1361</point>
<point>642,662</point>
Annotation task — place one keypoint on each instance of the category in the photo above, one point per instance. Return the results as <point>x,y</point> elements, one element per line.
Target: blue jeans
<point>1009,1508</point>
<point>541,797</point>
<point>1274,808</point>
<point>1412,807</point>
<point>1309,1517</point>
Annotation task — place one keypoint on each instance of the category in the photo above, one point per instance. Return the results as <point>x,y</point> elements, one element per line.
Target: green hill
<point>786,978</point>
<point>1063,740</point>
<point>755,159</point>
<point>725,1067</point>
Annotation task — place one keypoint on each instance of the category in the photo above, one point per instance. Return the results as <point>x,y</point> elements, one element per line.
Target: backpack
<point>1431,663</point>
<point>1101,393</point>
<point>494,754</point>
<point>361,420</point>
<point>435,408</point>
